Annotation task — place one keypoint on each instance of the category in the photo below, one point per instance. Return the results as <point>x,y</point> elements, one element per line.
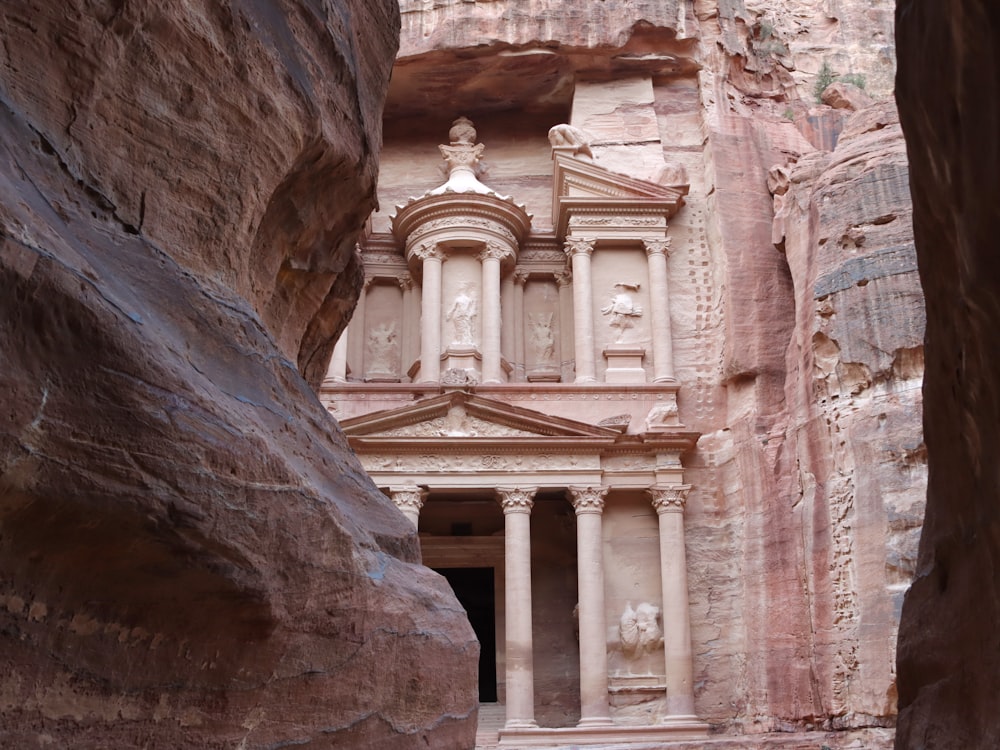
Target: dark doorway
<point>474,589</point>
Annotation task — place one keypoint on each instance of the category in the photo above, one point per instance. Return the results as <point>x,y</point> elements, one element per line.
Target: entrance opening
<point>473,588</point>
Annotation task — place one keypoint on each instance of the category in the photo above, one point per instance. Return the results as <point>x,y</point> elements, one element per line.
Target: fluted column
<point>669,504</point>
<point>589,505</point>
<point>657,252</point>
<point>520,676</point>
<point>579,251</point>
<point>409,499</point>
<point>490,258</point>
<point>566,349</point>
<point>520,367</point>
<point>432,257</point>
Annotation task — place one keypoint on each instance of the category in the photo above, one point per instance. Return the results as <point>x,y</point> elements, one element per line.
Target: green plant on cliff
<point>828,75</point>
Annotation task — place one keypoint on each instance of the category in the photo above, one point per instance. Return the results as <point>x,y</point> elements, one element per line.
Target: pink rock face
<point>841,95</point>
<point>949,644</point>
<point>192,557</point>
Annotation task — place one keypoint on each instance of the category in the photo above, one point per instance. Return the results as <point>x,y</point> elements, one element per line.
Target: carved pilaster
<point>588,499</point>
<point>670,498</point>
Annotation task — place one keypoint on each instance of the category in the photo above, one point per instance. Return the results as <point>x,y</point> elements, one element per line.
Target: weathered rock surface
<point>191,557</point>
<point>949,644</point>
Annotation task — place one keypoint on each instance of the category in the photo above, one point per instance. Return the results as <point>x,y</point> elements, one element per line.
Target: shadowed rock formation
<point>190,555</point>
<point>949,643</point>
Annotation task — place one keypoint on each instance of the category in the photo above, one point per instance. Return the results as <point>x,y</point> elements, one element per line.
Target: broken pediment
<point>586,195</point>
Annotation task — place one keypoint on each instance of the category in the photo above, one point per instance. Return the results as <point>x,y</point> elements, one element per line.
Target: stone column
<point>657,252</point>
<point>507,346</point>
<point>520,367</point>
<point>430,313</point>
<point>579,251</point>
<point>669,504</point>
<point>566,351</point>
<point>491,257</point>
<point>409,499</point>
<point>589,505</point>
<point>359,334</point>
<point>408,336</point>
<point>520,677</point>
<point>337,372</point>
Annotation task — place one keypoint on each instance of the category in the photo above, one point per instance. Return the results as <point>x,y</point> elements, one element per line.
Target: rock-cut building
<point>513,391</point>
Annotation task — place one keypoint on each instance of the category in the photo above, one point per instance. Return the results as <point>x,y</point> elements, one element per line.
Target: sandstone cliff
<point>191,556</point>
<point>949,643</point>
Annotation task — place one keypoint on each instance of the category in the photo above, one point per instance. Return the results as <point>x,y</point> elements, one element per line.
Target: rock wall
<point>796,307</point>
<point>191,556</point>
<point>948,643</point>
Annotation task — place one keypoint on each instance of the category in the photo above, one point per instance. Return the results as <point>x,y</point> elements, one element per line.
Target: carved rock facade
<point>704,372</point>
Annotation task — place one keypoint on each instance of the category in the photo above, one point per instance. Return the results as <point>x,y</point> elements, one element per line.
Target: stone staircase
<point>491,719</point>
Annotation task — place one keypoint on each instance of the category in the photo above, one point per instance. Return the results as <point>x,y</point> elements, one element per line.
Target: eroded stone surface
<point>191,556</point>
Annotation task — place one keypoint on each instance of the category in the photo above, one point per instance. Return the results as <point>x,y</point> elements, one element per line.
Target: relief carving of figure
<point>381,347</point>
<point>462,317</point>
<point>622,309</point>
<point>541,337</point>
<point>639,631</point>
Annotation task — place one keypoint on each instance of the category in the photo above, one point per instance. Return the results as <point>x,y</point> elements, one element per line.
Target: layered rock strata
<point>191,556</point>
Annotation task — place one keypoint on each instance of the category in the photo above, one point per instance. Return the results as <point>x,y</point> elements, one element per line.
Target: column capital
<point>495,251</point>
<point>405,281</point>
<point>658,247</point>
<point>588,499</point>
<point>669,498</point>
<point>408,497</point>
<point>520,276</point>
<point>429,250</point>
<point>564,277</point>
<point>579,246</point>
<point>516,499</point>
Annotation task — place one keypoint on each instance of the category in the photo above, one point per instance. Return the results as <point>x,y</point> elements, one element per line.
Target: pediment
<point>464,416</point>
<point>583,187</point>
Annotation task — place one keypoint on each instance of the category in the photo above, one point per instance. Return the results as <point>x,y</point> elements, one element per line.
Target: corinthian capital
<point>579,245</point>
<point>495,251</point>
<point>408,497</point>
<point>427,250</point>
<point>657,247</point>
<point>669,498</point>
<point>517,499</point>
<point>588,499</point>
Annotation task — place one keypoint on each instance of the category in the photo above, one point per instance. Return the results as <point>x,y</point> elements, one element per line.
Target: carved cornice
<point>657,247</point>
<point>579,246</point>
<point>669,498</point>
<point>588,499</point>
<point>516,499</point>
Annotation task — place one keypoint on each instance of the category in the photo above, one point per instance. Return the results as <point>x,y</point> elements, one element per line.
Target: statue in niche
<point>462,317</point>
<point>639,631</point>
<point>541,337</point>
<point>622,309</point>
<point>381,347</point>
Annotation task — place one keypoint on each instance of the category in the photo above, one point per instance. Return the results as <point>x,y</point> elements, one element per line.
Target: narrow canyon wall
<point>797,315</point>
<point>191,557</point>
<point>949,644</point>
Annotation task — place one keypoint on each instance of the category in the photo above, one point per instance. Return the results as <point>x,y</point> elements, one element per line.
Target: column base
<point>595,721</point>
<point>520,724</point>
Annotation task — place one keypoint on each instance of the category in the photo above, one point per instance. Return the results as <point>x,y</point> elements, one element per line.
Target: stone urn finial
<point>462,132</point>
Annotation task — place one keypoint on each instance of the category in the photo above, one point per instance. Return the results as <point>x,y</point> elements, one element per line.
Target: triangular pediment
<point>465,416</point>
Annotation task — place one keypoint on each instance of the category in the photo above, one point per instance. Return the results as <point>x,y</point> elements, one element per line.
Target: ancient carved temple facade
<point>513,391</point>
